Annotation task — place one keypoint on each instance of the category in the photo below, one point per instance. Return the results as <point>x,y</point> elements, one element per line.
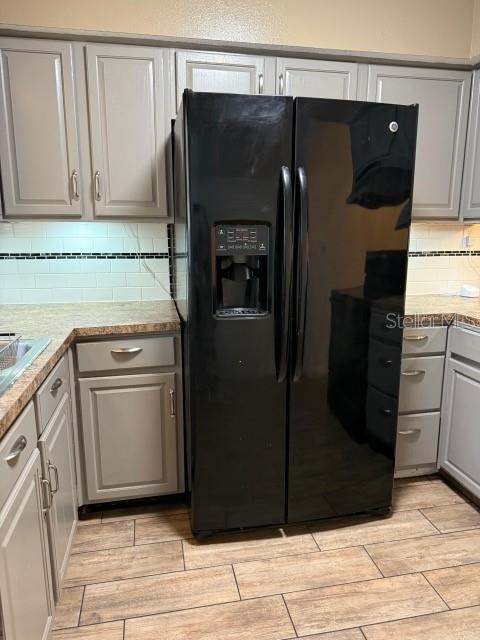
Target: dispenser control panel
<point>235,240</point>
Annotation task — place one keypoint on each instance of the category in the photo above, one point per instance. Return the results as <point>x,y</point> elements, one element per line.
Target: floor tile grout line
<point>161,613</point>
<point>413,537</point>
<point>149,575</point>
<point>124,629</point>
<point>236,582</point>
<point>361,631</point>
<point>290,616</point>
<point>166,516</point>
<point>378,568</point>
<point>432,523</point>
<point>414,617</point>
<point>183,555</point>
<point>81,607</point>
<point>127,546</point>
<point>438,594</point>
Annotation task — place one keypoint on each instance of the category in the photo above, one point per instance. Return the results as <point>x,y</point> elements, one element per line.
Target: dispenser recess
<point>241,270</point>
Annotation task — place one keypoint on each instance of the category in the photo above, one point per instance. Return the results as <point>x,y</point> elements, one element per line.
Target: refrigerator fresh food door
<point>239,256</point>
<point>353,184</point>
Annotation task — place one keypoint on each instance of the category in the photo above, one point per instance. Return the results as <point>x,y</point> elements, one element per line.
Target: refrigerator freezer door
<point>354,179</point>
<point>239,151</point>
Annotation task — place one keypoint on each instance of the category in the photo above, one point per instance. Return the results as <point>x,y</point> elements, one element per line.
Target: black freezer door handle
<point>302,271</point>
<point>286,258</point>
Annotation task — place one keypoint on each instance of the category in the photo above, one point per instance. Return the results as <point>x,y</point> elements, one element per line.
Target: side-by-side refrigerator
<point>291,237</point>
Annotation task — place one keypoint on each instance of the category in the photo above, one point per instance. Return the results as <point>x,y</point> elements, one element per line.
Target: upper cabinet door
<point>127,94</point>
<point>39,154</point>
<point>470,203</point>
<point>223,73</point>
<point>443,97</point>
<point>317,79</point>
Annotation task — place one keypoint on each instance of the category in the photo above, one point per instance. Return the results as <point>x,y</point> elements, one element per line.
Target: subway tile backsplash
<point>83,261</point>
<point>442,258</point>
<point>101,261</point>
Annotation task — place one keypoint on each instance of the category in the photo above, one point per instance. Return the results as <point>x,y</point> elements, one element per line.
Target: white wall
<point>423,27</point>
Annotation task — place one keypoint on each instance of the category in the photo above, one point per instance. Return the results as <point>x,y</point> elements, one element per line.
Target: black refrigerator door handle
<point>302,272</point>
<point>286,258</point>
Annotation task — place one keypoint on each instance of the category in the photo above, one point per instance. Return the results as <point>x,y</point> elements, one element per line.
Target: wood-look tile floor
<point>137,574</point>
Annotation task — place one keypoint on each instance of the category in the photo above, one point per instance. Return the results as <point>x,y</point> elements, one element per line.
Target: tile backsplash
<point>443,257</point>
<point>102,261</point>
<point>83,261</point>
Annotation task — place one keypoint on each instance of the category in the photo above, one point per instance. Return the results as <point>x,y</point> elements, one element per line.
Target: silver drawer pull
<point>281,86</point>
<point>56,384</point>
<point>172,403</point>
<point>47,491</point>
<point>126,350</point>
<point>55,471</point>
<point>408,432</point>
<point>413,373</point>
<point>386,363</point>
<point>386,412</point>
<point>415,338</point>
<point>18,446</point>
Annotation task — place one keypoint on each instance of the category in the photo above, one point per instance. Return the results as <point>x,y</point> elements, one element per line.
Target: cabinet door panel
<point>38,131</point>
<point>25,583</point>
<point>471,182</point>
<point>223,73</point>
<point>442,96</point>
<point>460,433</point>
<point>127,99</point>
<point>56,446</point>
<point>129,435</point>
<point>317,78</point>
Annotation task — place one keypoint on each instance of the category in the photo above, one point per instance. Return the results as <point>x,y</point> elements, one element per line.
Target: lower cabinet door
<point>459,452</point>
<point>25,580</point>
<point>130,435</point>
<point>58,461</point>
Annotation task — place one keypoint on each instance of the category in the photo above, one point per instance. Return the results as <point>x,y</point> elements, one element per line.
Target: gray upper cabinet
<point>39,152</point>
<point>223,73</point>
<point>443,99</point>
<point>317,78</point>
<point>56,447</point>
<point>25,582</point>
<point>129,128</point>
<point>130,435</point>
<point>470,203</point>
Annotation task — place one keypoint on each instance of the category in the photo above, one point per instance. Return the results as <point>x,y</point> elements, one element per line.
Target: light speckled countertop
<point>443,309</point>
<point>64,323</point>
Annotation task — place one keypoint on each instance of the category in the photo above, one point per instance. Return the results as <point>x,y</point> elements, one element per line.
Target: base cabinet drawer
<point>417,440</point>
<point>128,353</point>
<point>421,384</point>
<point>25,582</point>
<point>424,340</point>
<point>130,435</point>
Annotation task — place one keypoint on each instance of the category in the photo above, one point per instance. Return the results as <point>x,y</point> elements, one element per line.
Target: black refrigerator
<point>289,268</point>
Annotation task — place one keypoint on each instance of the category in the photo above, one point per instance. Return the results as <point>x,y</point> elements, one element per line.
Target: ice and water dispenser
<point>241,270</point>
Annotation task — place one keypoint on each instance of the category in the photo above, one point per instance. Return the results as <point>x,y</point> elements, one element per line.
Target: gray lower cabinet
<point>129,435</point>
<point>443,99</point>
<point>39,150</point>
<point>317,78</point>
<point>459,451</point>
<point>58,461</point>
<point>25,582</point>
